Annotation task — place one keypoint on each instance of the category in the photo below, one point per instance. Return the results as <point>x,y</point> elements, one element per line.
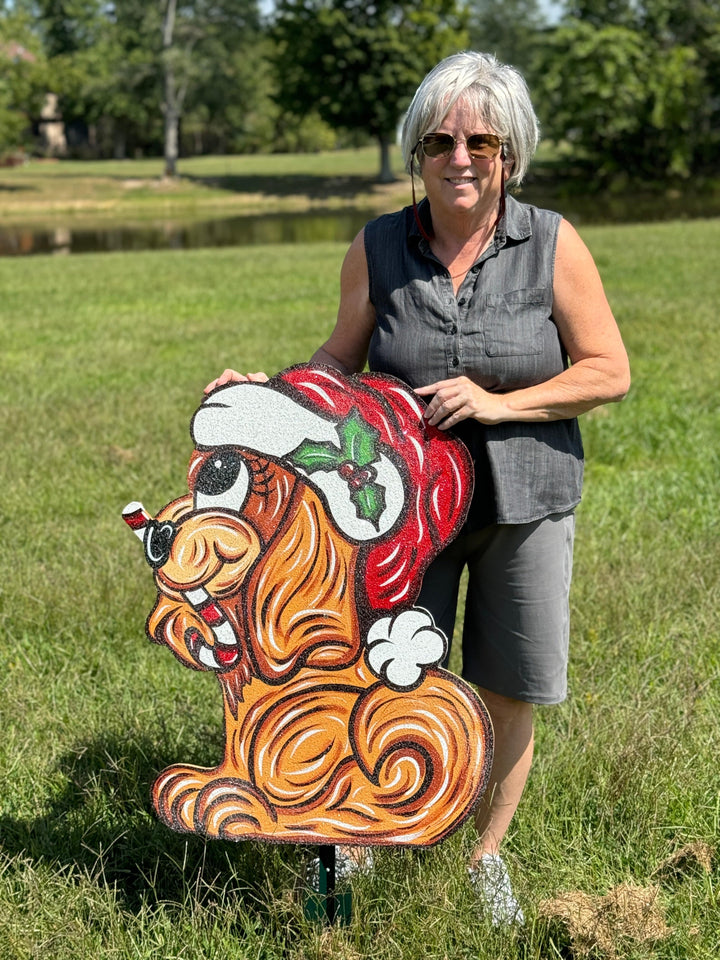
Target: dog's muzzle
<point>157,538</point>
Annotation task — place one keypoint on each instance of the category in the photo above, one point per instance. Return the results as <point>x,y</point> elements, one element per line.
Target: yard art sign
<point>289,570</point>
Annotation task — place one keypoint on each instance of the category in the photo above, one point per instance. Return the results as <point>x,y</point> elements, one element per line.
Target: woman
<point>495,313</point>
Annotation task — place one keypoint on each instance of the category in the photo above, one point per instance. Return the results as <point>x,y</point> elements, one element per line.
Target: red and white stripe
<point>137,518</point>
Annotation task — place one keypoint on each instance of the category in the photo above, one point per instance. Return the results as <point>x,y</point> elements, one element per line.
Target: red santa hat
<point>396,485</point>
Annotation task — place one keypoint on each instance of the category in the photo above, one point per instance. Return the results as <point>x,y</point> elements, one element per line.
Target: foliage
<point>69,25</point>
<point>22,79</point>
<point>108,63</point>
<point>510,29</point>
<point>194,36</point>
<point>626,105</point>
<point>112,87</point>
<point>357,64</point>
<point>229,109</point>
<point>102,370</point>
<point>634,88</point>
<point>630,87</point>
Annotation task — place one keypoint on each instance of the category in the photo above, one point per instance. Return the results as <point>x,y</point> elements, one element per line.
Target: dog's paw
<point>401,648</point>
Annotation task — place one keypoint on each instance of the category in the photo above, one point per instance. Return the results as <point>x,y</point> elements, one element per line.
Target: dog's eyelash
<point>260,477</point>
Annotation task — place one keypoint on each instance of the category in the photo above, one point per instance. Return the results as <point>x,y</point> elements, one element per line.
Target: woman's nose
<point>158,542</point>
<point>460,153</point>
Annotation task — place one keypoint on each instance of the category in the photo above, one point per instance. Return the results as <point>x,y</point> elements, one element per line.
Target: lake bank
<point>84,195</point>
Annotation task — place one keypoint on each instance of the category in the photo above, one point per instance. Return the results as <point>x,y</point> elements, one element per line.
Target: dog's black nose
<point>158,541</point>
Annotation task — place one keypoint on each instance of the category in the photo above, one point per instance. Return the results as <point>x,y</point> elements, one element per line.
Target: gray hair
<point>498,93</point>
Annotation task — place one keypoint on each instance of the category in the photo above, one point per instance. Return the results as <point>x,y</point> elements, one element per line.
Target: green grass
<point>134,190</point>
<point>104,359</point>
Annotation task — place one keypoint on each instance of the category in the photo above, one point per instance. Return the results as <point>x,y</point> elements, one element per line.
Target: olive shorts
<point>517,622</point>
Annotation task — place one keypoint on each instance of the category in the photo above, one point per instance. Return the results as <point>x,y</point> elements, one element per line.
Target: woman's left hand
<point>232,376</point>
<point>459,399</point>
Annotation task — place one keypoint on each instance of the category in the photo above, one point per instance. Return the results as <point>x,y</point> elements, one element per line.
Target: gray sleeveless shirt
<point>499,332</point>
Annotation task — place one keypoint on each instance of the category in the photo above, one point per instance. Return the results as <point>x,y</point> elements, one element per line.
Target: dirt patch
<point>120,455</point>
<point>687,860</point>
<point>627,914</point>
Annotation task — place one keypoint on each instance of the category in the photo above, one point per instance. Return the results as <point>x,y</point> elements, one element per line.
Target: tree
<point>69,25</point>
<point>104,73</point>
<point>23,76</point>
<point>131,69</point>
<point>196,37</point>
<point>229,109</point>
<point>357,63</point>
<point>692,25</point>
<point>182,42</point>
<point>508,28</point>
<point>623,105</point>
<point>634,86</point>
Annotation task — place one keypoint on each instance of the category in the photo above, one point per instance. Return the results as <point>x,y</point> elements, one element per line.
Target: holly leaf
<point>316,456</point>
<point>358,439</point>
<point>359,449</point>
<point>369,503</point>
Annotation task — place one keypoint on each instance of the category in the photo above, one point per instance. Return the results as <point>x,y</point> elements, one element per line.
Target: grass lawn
<point>221,186</point>
<point>104,359</point>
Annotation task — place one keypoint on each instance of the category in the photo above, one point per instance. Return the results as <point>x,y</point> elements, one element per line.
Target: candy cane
<point>225,652</point>
<point>137,518</point>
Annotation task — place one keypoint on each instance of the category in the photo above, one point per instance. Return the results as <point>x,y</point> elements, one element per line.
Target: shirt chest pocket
<point>514,323</point>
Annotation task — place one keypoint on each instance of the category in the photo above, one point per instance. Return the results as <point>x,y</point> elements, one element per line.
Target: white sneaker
<point>491,882</point>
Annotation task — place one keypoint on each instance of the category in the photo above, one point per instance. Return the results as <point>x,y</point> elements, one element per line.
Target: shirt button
<point>455,361</point>
<point>462,302</point>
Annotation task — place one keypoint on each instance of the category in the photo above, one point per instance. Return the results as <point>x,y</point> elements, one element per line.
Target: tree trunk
<point>119,144</point>
<point>171,107</point>
<point>172,125</point>
<point>386,174</point>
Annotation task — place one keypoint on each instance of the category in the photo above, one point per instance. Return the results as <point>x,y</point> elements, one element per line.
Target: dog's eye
<point>219,473</point>
<point>222,482</point>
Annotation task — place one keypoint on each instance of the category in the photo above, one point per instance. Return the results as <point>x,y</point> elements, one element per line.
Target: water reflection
<point>313,227</point>
<point>338,225</point>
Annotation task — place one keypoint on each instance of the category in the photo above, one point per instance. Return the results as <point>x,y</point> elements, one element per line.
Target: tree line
<point>624,88</point>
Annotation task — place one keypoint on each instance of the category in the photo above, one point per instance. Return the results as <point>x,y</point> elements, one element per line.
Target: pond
<point>315,226</point>
<point>336,225</point>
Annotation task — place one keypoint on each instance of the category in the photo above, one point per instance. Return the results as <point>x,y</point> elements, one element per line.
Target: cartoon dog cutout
<point>316,503</point>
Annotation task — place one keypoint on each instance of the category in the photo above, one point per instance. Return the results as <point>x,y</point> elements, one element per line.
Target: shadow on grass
<point>314,187</point>
<point>15,187</point>
<point>101,825</point>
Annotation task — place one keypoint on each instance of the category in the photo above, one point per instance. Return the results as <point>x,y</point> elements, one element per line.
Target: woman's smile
<point>459,184</point>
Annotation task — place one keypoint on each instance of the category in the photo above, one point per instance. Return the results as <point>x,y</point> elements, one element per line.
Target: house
<point>48,127</point>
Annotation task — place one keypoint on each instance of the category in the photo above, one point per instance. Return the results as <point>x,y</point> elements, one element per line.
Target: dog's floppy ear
<point>300,597</point>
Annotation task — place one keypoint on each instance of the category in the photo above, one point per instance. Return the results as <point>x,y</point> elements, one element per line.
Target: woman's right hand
<point>232,376</point>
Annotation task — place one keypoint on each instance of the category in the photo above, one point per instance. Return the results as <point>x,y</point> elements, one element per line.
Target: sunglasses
<point>480,146</point>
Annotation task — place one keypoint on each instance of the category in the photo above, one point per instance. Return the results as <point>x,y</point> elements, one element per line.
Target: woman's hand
<point>232,376</point>
<point>598,371</point>
<point>459,399</point>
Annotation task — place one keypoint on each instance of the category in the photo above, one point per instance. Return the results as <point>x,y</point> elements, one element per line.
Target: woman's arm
<point>599,371</point>
<point>347,347</point>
